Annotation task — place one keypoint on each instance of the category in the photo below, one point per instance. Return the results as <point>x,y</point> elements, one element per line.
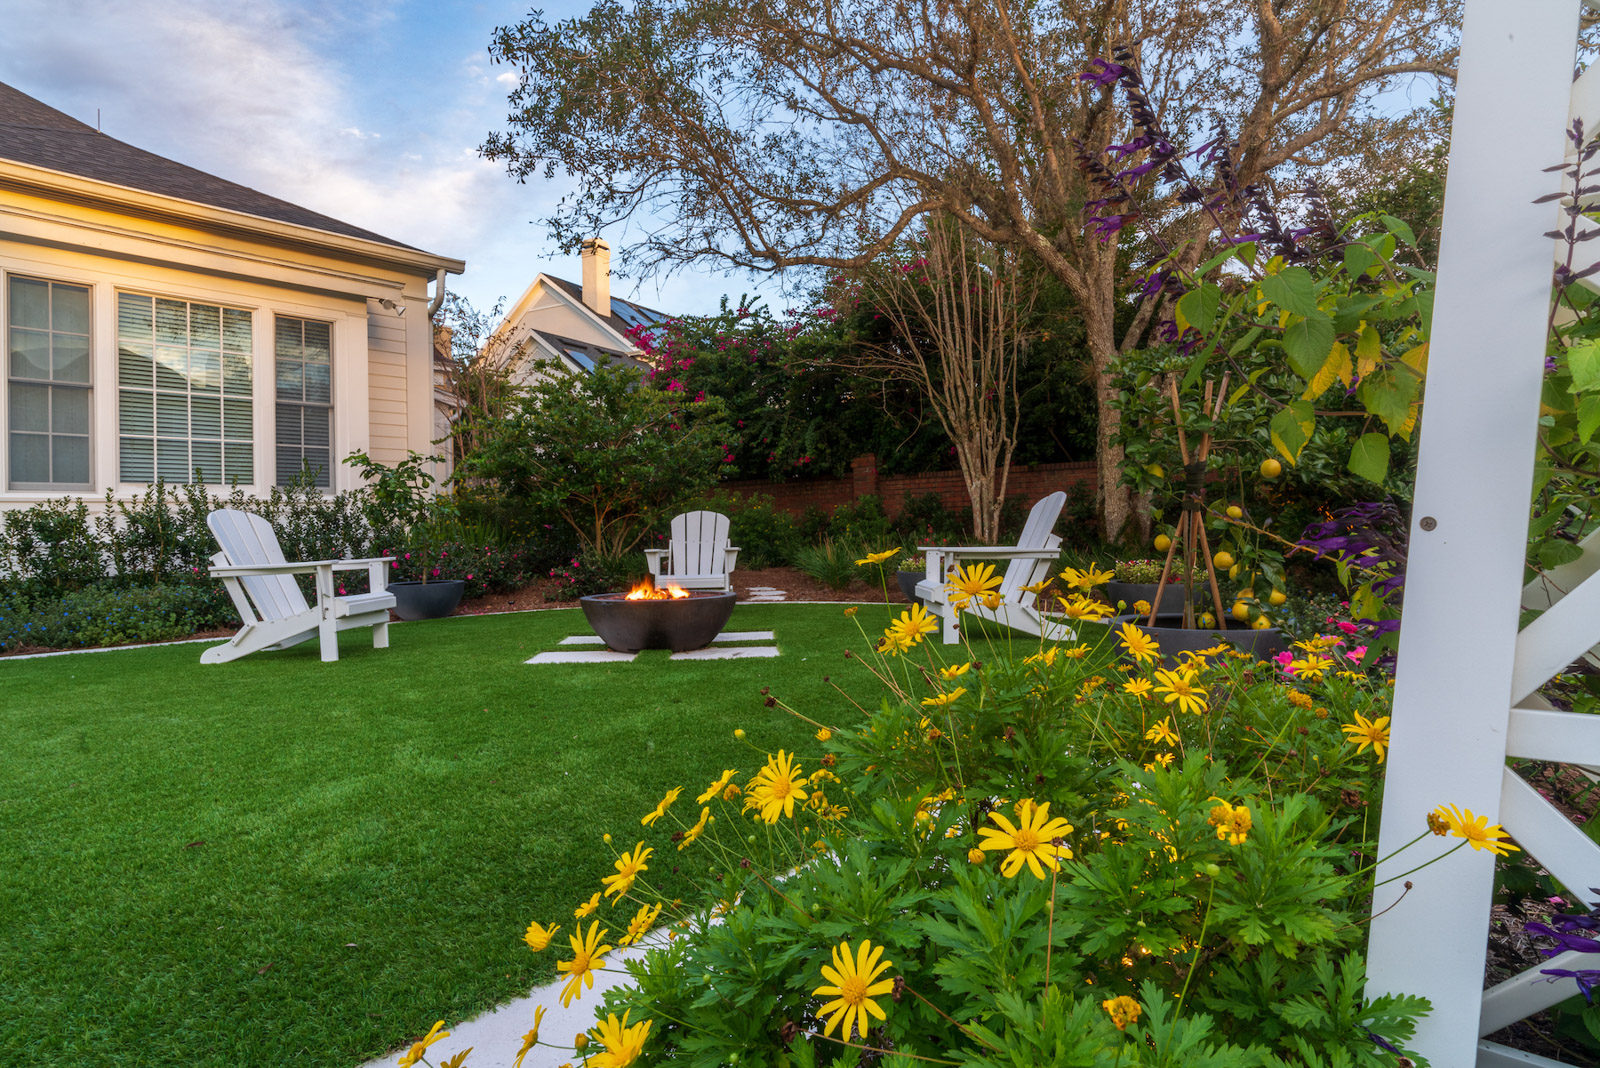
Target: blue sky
<point>368,112</point>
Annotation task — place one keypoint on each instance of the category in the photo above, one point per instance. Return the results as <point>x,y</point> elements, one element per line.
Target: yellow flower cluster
<point>908,630</point>
<point>1123,1010</point>
<point>1231,821</point>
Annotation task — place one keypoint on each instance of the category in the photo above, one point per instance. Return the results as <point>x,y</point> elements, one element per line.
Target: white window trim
<point>50,488</point>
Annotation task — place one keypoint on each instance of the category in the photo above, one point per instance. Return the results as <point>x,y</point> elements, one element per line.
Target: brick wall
<point>1029,483</point>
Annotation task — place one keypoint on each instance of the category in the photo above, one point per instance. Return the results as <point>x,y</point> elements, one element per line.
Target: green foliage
<point>606,453</point>
<point>112,615</point>
<point>50,545</point>
<point>1210,893</point>
<point>766,537</point>
<point>832,563</point>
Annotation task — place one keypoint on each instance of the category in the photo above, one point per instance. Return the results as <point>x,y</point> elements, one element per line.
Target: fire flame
<point>646,592</point>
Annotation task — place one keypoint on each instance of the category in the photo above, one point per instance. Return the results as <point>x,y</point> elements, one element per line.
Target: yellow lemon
<point>1235,512</point>
<point>1245,594</point>
<point>1271,468</point>
<point>1162,543</point>
<point>1241,611</point>
<point>1261,623</point>
<point>1156,471</point>
<point>1277,597</point>
<point>1207,620</point>
<point>1233,572</point>
<point>1223,560</point>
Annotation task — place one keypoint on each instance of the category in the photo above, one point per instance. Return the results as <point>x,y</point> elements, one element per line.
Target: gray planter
<point>677,624</point>
<point>1130,592</point>
<point>427,600</point>
<point>908,584</point>
<point>1174,638</point>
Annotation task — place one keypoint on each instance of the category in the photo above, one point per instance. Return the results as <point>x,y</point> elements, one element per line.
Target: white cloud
<point>508,79</point>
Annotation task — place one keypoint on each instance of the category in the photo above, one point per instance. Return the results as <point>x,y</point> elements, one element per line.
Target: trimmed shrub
<point>111,615</point>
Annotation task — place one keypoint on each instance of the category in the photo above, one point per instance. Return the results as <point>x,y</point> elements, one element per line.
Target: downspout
<point>438,299</point>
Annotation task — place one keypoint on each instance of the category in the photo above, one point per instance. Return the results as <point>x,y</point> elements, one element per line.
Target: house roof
<point>625,314</point>
<point>585,355</point>
<point>33,133</point>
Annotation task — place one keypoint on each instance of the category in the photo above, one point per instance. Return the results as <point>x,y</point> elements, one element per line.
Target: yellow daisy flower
<point>877,558</point>
<point>1162,732</point>
<point>955,671</point>
<point>530,1039</point>
<point>1140,645</point>
<point>661,809</point>
<point>1364,732</point>
<point>1087,579</point>
<point>539,937</point>
<point>943,699</point>
<point>640,925</point>
<point>776,788</point>
<point>414,1054</point>
<point>622,1043</point>
<point>1141,607</point>
<point>1138,687</point>
<point>588,906</point>
<point>587,955</point>
<point>1085,608</point>
<point>716,788</point>
<point>1031,840</point>
<point>1476,830</point>
<point>913,624</point>
<point>1123,1010</point>
<point>628,866</point>
<point>1231,821</point>
<point>851,983</point>
<point>696,831</point>
<point>1181,689</point>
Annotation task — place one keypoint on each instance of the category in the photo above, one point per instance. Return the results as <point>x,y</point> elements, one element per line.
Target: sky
<point>369,112</point>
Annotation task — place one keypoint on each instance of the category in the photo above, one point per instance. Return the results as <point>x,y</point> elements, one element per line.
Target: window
<point>183,377</point>
<point>48,392</point>
<point>303,354</point>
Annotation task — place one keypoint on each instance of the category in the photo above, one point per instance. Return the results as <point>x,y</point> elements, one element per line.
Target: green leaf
<point>1556,552</point>
<point>1198,307</point>
<point>1399,229</point>
<point>1291,428</point>
<point>1357,258</point>
<point>1292,289</point>
<point>1588,416</point>
<point>1388,396</point>
<point>1251,336</point>
<point>1369,459</point>
<point>1583,359</point>
<point>1308,343</point>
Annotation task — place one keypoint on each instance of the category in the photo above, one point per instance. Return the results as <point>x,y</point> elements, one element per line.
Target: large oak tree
<point>773,134</point>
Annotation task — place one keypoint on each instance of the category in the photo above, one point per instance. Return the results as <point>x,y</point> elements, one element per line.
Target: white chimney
<point>597,276</point>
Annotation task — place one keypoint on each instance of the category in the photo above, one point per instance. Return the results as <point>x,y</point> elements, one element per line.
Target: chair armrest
<point>732,558</point>
<point>989,552</point>
<point>652,560</point>
<point>352,565</point>
<point>246,570</point>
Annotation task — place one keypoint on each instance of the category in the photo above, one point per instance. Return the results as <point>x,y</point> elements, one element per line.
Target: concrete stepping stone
<point>583,656</point>
<point>730,652</point>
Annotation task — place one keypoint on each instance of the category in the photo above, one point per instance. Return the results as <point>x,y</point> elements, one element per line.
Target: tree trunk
<point>1118,503</point>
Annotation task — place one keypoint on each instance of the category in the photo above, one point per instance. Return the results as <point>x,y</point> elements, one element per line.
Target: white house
<point>577,326</point>
<point>163,321</point>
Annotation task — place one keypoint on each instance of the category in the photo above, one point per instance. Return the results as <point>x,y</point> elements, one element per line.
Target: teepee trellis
<point>1466,693</point>
<point>1190,530</point>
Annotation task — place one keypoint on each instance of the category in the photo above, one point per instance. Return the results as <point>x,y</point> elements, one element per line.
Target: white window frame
<point>6,383</point>
<point>330,469</point>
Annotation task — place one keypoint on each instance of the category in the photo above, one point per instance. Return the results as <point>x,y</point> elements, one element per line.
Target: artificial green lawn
<point>279,861</point>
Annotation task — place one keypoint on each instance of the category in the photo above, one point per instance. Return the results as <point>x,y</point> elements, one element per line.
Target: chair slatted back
<point>248,539</point>
<point>1037,533</point>
<point>699,543</point>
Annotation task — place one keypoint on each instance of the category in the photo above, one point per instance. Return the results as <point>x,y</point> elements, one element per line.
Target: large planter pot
<point>426,600</point>
<point>1129,593</point>
<point>908,584</point>
<point>1174,638</point>
<point>678,624</point>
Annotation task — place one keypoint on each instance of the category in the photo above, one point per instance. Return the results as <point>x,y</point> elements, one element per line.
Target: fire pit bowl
<point>676,623</point>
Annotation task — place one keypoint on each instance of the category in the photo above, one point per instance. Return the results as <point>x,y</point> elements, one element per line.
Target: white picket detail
<point>1462,663</point>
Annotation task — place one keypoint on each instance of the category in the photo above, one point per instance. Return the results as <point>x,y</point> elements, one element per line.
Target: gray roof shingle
<point>38,135</point>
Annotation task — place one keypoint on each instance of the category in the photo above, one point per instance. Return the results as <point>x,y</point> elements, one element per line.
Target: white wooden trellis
<point>1466,687</point>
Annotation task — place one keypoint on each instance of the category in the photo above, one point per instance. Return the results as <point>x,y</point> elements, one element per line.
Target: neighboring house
<point>159,320</point>
<point>577,326</point>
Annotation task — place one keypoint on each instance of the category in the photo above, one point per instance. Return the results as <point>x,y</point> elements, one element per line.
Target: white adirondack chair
<point>1031,558</point>
<point>276,616</point>
<point>697,556</point>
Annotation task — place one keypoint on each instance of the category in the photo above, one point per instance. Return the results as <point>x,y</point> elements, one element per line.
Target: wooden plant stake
<point>1190,529</point>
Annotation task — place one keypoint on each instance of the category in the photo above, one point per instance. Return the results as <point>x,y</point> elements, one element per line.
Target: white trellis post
<point>1465,695</point>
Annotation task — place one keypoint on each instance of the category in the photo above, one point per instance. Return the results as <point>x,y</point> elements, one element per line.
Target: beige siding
<point>386,383</point>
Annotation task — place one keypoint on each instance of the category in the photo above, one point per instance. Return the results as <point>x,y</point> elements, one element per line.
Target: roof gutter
<point>438,296</point>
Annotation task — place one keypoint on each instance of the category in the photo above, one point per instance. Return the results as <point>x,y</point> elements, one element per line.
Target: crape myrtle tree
<point>961,313</point>
<point>780,133</point>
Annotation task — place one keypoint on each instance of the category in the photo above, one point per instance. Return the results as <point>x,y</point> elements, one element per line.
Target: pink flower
<point>1348,628</point>
<point>435,573</point>
<point>469,578</point>
<point>1284,659</point>
<point>408,556</point>
<point>395,564</point>
<point>341,591</point>
<point>1357,653</point>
